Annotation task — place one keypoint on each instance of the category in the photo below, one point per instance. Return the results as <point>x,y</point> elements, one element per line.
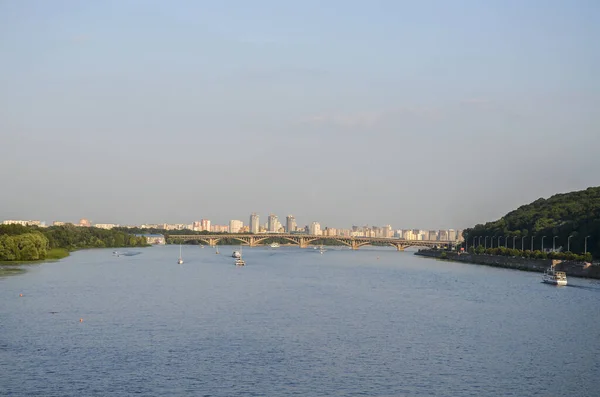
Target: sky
<point>418,114</point>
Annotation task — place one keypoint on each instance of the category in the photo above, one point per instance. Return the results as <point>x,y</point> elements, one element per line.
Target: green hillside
<point>575,214</point>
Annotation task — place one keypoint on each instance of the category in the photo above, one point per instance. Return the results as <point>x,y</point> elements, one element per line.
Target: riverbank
<point>573,269</point>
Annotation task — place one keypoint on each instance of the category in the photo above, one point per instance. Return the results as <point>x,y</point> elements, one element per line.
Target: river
<point>373,322</point>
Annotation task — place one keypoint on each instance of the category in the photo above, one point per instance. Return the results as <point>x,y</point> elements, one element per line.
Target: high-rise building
<point>235,226</point>
<point>443,235</point>
<point>272,223</point>
<point>254,223</point>
<point>452,235</point>
<point>290,224</point>
<point>205,225</point>
<point>387,231</point>
<point>315,229</point>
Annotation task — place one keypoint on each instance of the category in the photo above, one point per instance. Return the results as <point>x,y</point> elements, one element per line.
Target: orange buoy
<point>80,320</point>
<point>20,294</point>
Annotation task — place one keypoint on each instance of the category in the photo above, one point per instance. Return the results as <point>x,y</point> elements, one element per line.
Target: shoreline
<point>571,268</point>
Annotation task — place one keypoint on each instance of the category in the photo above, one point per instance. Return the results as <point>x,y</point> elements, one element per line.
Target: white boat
<point>274,245</point>
<point>553,277</point>
<point>216,249</point>
<point>180,260</point>
<point>321,249</point>
<point>240,262</point>
<point>236,254</point>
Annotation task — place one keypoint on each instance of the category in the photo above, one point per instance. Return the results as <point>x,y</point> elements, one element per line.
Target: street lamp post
<point>569,243</point>
<point>523,243</point>
<point>493,237</point>
<point>532,243</point>
<point>585,245</point>
<point>499,238</point>
<point>479,241</point>
<point>485,241</point>
<point>514,238</point>
<point>474,237</point>
<point>554,243</point>
<point>543,237</point>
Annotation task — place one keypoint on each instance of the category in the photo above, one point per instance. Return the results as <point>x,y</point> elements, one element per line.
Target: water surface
<point>374,322</point>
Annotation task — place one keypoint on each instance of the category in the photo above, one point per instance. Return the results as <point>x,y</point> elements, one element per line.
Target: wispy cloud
<point>374,117</point>
<point>80,38</point>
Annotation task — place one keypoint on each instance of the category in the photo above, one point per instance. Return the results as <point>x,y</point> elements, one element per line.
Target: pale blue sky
<point>418,114</point>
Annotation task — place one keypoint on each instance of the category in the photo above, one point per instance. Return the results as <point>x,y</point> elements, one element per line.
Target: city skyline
<point>408,113</point>
<point>272,225</point>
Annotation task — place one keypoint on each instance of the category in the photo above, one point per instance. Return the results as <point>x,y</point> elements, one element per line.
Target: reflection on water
<point>293,322</point>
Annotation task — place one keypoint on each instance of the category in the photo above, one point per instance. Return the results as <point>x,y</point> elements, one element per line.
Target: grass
<point>57,253</point>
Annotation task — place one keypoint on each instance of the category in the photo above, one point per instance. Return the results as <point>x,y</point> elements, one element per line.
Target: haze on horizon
<point>427,114</point>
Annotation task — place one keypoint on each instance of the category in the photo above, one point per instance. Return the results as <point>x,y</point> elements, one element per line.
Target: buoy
<point>20,294</point>
<point>80,320</point>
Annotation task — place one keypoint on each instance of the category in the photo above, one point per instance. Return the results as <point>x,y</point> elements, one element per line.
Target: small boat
<point>274,245</point>
<point>321,249</point>
<point>217,249</point>
<point>201,246</point>
<point>553,277</point>
<point>236,254</point>
<point>240,262</point>
<point>180,260</point>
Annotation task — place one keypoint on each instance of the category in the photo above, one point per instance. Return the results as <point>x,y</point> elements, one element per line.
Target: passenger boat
<point>553,277</point>
<point>275,245</point>
<point>240,262</point>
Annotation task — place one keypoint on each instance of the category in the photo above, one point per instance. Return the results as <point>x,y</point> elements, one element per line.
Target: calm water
<point>374,322</point>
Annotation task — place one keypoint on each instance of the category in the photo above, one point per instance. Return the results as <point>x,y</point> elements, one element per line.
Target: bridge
<point>304,240</point>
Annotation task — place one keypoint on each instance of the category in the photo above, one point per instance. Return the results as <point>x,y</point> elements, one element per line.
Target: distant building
<point>387,231</point>
<point>157,239</point>
<point>452,235</point>
<point>254,223</point>
<point>22,223</point>
<point>84,223</point>
<point>205,225</point>
<point>58,223</point>
<point>315,229</point>
<point>443,235</point>
<point>107,226</point>
<point>272,223</point>
<point>219,228</point>
<point>290,224</point>
<point>235,226</point>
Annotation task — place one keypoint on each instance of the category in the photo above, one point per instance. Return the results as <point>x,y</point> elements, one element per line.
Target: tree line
<point>571,217</point>
<point>29,243</point>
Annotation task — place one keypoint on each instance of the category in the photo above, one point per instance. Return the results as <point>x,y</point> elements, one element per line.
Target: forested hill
<point>575,214</point>
<point>27,243</point>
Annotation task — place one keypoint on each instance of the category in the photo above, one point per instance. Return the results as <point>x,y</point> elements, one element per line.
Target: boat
<point>201,246</point>
<point>274,245</point>
<point>553,277</point>
<point>240,262</point>
<point>180,260</point>
<point>236,254</point>
<point>321,249</point>
<point>217,249</point>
